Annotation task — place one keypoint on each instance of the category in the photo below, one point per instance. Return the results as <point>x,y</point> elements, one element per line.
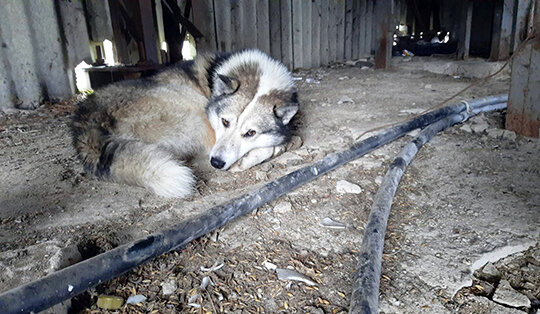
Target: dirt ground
<point>470,197</point>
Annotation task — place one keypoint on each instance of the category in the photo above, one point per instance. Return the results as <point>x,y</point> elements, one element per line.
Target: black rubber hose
<point>70,281</point>
<point>365,294</point>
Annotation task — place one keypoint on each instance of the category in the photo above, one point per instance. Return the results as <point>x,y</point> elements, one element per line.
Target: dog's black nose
<point>217,163</point>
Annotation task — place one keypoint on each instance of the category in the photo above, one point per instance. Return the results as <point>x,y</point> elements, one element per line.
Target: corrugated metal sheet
<point>40,44</point>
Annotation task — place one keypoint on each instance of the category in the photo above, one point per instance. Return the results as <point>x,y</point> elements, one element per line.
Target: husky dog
<point>235,107</point>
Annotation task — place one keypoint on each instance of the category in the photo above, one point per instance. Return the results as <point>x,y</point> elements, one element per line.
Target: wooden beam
<point>332,31</point>
<point>275,29</point>
<point>286,33</point>
<point>306,34</point>
<point>348,29</point>
<point>383,48</point>
<point>203,18</point>
<point>223,25</point>
<point>298,60</point>
<point>340,29</point>
<point>522,14</point>
<point>263,26</point>
<point>523,114</point>
<point>496,33</point>
<point>368,35</point>
<point>149,32</point>
<point>464,37</point>
<point>250,24</point>
<point>237,17</point>
<point>324,32</point>
<point>316,34</point>
<point>507,19</point>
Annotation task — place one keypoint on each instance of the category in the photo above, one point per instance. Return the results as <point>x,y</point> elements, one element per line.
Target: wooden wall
<point>301,33</point>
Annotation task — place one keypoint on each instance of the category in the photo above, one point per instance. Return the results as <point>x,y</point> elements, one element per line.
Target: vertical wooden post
<point>203,19</point>
<point>523,115</point>
<point>223,25</point>
<point>171,28</point>
<point>348,29</point>
<point>332,31</point>
<point>149,32</point>
<point>263,26</point>
<point>496,33</point>
<point>383,50</point>
<point>324,32</point>
<point>522,13</point>
<point>306,34</point>
<point>237,18</point>
<point>298,60</point>
<point>340,28</point>
<point>275,29</point>
<point>250,23</point>
<point>357,30</point>
<point>316,33</point>
<point>464,38</point>
<point>286,33</point>
<point>506,29</point>
<point>368,49</point>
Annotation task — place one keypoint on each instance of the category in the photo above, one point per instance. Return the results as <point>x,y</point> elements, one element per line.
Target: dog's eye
<point>250,133</point>
<point>225,122</point>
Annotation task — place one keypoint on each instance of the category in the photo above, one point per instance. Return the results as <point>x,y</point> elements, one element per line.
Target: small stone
<point>509,135</point>
<point>134,299</point>
<point>428,86</point>
<point>378,180</point>
<point>489,273</point>
<point>466,128</point>
<point>283,207</point>
<point>495,133</point>
<point>345,100</point>
<point>343,187</point>
<point>289,159</point>
<point>479,128</point>
<point>109,302</point>
<point>506,295</point>
<point>169,287</point>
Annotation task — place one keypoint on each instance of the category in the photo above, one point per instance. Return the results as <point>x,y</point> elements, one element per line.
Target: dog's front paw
<point>253,158</point>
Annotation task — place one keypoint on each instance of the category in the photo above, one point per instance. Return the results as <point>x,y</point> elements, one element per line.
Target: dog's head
<point>251,107</point>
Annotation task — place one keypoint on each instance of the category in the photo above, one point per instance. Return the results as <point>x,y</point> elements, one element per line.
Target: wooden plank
<point>275,29</point>
<point>368,48</point>
<point>306,34</point>
<point>263,26</point>
<point>383,48</point>
<point>496,34</point>
<point>332,31</point>
<point>522,13</point>
<point>316,34</point>
<point>286,33</point>
<point>223,25</point>
<point>506,29</point>
<point>298,60</point>
<point>464,35</point>
<point>374,26</point>
<point>171,28</point>
<point>359,29</point>
<point>523,115</point>
<point>250,26</point>
<point>324,32</point>
<point>237,17</point>
<point>348,29</point>
<point>203,18</point>
<point>340,28</point>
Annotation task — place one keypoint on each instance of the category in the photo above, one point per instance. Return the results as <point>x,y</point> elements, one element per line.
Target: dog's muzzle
<point>217,163</point>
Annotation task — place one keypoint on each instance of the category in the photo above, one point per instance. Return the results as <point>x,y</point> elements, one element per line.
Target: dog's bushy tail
<point>130,161</point>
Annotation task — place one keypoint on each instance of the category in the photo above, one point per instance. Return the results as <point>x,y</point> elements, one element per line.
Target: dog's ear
<point>225,85</point>
<point>285,112</point>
